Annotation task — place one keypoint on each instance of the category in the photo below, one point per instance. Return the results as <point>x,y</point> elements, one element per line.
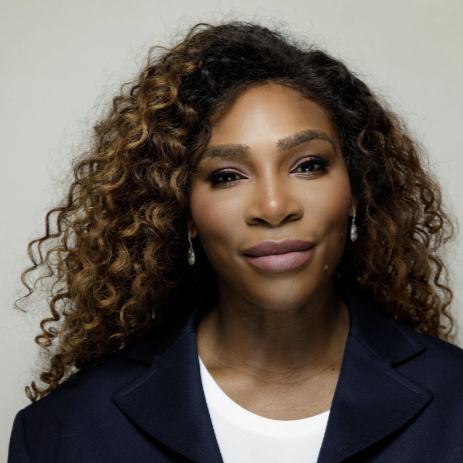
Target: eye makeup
<point>307,167</point>
<point>224,176</point>
<point>311,164</point>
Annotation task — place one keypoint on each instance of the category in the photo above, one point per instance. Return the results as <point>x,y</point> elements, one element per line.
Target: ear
<point>190,225</point>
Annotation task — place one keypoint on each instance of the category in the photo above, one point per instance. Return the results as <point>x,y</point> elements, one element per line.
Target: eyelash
<point>214,177</point>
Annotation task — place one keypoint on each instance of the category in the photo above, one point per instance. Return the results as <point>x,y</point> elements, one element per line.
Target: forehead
<point>268,113</point>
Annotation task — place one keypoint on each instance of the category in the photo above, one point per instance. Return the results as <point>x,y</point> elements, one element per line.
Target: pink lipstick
<point>277,256</point>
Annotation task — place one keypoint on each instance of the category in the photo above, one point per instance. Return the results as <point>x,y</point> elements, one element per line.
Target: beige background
<point>58,57</point>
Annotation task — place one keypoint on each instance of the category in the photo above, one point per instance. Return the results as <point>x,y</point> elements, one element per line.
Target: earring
<point>353,229</point>
<point>191,251</point>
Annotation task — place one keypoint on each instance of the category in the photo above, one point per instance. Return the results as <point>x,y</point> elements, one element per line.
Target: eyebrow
<point>234,151</point>
<point>229,150</point>
<point>291,141</point>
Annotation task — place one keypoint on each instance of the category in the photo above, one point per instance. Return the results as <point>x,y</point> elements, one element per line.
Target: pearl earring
<point>191,251</point>
<point>353,229</point>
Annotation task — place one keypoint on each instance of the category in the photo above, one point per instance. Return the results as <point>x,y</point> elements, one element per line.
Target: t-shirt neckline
<point>217,400</point>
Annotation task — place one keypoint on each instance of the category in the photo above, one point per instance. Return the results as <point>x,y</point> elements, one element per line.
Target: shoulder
<point>435,349</point>
<point>93,387</point>
<point>88,394</point>
<point>438,366</point>
<point>423,358</point>
<point>90,388</point>
<point>79,405</point>
<point>84,408</point>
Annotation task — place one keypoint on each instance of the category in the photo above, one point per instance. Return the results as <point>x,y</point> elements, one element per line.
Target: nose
<point>273,203</point>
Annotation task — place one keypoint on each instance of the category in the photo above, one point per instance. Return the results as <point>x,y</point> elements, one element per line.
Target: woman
<point>246,268</point>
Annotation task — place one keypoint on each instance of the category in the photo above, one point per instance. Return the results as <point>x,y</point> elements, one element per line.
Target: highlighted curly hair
<point>115,250</point>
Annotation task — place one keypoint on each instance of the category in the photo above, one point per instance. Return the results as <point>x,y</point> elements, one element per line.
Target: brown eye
<point>224,177</point>
<point>308,166</point>
<point>311,165</point>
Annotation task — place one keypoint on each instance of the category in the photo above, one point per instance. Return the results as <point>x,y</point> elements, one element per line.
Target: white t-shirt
<point>244,437</point>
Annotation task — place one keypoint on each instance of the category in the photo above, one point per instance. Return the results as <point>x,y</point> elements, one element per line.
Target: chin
<point>281,299</point>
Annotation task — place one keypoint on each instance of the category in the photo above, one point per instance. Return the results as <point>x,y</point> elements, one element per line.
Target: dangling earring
<point>191,251</point>
<point>353,229</point>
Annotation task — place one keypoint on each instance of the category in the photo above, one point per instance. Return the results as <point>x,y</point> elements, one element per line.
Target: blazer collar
<point>371,401</point>
<point>372,398</point>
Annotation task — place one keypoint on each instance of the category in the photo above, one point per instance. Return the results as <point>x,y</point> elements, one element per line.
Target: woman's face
<point>271,197</point>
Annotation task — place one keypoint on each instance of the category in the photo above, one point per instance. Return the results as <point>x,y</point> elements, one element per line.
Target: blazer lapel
<point>167,401</point>
<point>372,399</point>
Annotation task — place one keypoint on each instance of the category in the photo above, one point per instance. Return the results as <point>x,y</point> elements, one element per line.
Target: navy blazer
<point>398,399</point>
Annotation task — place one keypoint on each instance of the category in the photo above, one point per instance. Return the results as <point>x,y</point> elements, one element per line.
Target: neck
<point>270,343</point>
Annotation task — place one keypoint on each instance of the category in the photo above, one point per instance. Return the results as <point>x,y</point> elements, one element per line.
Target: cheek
<point>335,210</point>
<point>331,213</point>
<point>216,221</point>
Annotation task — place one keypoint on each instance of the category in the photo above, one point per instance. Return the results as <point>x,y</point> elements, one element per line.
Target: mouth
<point>277,256</point>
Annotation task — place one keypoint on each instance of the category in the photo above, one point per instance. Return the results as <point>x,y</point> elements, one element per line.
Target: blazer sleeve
<point>18,451</point>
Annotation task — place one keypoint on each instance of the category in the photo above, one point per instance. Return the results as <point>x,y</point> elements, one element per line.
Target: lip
<point>279,255</point>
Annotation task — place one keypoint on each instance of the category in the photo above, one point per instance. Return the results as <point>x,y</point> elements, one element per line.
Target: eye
<point>311,165</point>
<point>224,177</point>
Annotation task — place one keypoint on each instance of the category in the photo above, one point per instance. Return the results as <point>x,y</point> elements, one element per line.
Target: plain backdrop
<point>60,59</point>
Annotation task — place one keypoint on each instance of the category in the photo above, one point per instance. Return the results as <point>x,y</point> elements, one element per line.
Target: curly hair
<point>115,249</point>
